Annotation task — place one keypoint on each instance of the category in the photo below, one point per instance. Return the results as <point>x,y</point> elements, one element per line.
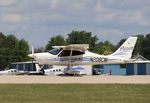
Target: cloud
<point>112,35</point>
<point>7,2</point>
<point>11,18</point>
<point>38,20</point>
<point>53,3</point>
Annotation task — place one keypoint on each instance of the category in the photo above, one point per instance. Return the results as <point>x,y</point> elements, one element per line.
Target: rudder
<point>126,49</point>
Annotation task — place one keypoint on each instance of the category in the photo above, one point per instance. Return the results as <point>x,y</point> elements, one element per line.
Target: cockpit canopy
<point>69,53</point>
<point>62,53</point>
<point>55,51</point>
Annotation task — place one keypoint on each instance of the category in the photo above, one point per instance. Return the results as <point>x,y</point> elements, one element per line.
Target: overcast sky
<point>38,20</point>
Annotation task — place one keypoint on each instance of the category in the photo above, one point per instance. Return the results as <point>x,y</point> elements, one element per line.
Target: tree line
<point>101,47</point>
<point>13,49</point>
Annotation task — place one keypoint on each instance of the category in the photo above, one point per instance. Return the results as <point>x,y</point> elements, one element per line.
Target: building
<point>141,66</point>
<point>138,68</point>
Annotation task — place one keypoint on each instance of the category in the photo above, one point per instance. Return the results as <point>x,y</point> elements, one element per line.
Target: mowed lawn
<point>74,93</point>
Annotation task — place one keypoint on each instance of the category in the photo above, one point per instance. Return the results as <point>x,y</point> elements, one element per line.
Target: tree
<point>55,41</point>
<point>22,51</point>
<point>146,46</point>
<point>82,37</point>
<point>120,43</point>
<point>12,50</point>
<point>139,47</point>
<point>3,56</point>
<point>105,48</point>
<point>10,45</point>
<point>39,50</point>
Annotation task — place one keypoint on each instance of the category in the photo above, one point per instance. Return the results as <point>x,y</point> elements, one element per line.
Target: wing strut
<point>70,58</point>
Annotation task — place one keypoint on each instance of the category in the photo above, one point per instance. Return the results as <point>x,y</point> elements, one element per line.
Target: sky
<point>38,20</point>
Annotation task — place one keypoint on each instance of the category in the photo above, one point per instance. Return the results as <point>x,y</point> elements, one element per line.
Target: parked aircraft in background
<point>75,70</point>
<point>78,54</point>
<point>9,72</point>
<point>33,68</point>
<point>30,67</point>
<point>54,70</point>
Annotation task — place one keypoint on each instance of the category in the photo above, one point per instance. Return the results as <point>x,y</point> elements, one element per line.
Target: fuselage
<point>86,58</point>
<point>78,54</point>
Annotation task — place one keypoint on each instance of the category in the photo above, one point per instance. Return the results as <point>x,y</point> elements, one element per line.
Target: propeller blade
<point>32,50</point>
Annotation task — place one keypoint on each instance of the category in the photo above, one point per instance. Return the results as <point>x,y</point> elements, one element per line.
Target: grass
<point>74,93</point>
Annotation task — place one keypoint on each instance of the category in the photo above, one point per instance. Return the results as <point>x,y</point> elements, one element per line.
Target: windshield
<point>55,51</point>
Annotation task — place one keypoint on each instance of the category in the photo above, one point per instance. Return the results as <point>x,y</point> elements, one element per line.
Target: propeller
<point>32,53</point>
<point>32,56</point>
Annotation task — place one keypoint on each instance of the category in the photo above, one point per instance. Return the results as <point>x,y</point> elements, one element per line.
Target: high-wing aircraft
<point>78,54</point>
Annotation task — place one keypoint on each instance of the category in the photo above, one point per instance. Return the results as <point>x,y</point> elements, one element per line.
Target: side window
<point>55,51</point>
<point>65,53</point>
<point>74,53</point>
<point>15,70</point>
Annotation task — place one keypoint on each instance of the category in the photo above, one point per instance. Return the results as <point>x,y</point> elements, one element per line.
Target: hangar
<point>141,66</point>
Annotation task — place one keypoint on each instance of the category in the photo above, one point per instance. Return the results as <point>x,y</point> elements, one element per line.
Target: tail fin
<point>126,49</point>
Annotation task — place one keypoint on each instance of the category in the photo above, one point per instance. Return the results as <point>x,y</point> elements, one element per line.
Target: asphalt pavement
<point>98,79</point>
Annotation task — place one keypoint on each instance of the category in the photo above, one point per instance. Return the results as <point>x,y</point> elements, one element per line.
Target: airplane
<point>10,72</point>
<point>78,54</point>
<point>54,70</point>
<point>33,68</point>
<point>74,70</point>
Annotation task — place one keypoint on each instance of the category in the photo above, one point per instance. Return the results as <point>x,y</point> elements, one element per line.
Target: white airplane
<point>55,70</point>
<point>75,70</point>
<point>9,72</point>
<point>78,54</point>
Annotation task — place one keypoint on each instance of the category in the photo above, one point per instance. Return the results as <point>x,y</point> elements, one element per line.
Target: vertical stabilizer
<point>126,49</point>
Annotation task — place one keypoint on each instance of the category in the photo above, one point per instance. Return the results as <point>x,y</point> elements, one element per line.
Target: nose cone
<point>31,55</point>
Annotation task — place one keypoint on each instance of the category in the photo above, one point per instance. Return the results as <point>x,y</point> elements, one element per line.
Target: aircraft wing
<point>82,47</point>
<point>58,46</point>
<point>79,47</point>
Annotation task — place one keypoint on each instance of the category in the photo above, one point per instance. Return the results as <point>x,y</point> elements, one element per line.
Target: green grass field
<point>74,93</point>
